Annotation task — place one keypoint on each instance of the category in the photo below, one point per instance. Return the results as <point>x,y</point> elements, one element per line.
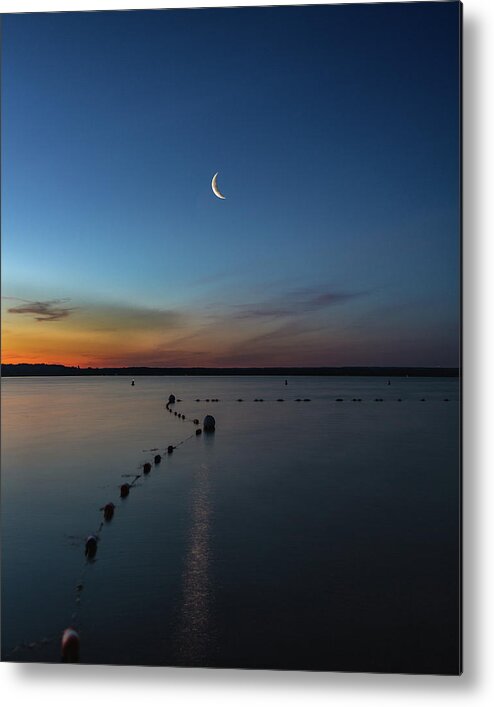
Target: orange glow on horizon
<point>114,337</point>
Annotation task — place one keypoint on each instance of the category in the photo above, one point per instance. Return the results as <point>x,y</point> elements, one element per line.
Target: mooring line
<point>70,637</point>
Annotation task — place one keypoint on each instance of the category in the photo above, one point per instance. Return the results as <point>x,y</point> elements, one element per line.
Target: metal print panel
<point>231,337</point>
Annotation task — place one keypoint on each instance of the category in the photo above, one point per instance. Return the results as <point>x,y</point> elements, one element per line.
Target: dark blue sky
<point>335,132</point>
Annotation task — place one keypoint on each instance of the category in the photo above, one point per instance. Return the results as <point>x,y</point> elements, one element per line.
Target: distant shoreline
<point>15,370</point>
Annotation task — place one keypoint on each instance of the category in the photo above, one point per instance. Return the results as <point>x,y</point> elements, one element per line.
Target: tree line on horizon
<point>49,369</point>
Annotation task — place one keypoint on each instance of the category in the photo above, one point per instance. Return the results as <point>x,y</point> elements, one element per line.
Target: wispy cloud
<point>295,303</point>
<point>43,311</point>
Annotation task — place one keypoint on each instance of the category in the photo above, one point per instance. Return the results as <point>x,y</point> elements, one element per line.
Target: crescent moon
<point>214,187</point>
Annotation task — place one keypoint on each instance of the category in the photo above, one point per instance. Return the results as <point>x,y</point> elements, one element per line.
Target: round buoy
<point>157,459</point>
<point>91,545</point>
<point>171,399</point>
<point>209,423</point>
<point>339,400</point>
<point>298,400</point>
<point>240,400</point>
<point>124,490</point>
<point>175,413</point>
<point>108,511</point>
<point>399,400</point>
<point>183,417</point>
<point>199,431</point>
<point>198,400</point>
<point>422,400</point>
<point>280,400</point>
<point>170,449</point>
<point>70,646</point>
<point>306,400</point>
<point>146,468</point>
<point>446,400</point>
<point>195,421</point>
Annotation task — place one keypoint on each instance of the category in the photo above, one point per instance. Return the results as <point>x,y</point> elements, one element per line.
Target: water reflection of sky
<point>232,564</point>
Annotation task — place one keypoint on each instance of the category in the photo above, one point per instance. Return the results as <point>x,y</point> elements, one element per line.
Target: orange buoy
<point>108,511</point>
<point>70,646</point>
<point>91,545</point>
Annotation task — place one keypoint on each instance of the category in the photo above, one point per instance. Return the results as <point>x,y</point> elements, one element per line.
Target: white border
<point>80,686</point>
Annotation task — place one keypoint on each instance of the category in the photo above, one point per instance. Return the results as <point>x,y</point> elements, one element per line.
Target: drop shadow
<point>201,678</point>
<point>474,40</point>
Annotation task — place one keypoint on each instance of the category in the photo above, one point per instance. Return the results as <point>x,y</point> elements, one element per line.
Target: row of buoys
<point>208,400</point>
<point>70,647</point>
<point>304,400</point>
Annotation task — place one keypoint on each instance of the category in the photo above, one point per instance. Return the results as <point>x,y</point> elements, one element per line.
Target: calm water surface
<point>301,535</point>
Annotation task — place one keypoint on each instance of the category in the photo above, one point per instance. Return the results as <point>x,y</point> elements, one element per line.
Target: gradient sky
<point>335,132</point>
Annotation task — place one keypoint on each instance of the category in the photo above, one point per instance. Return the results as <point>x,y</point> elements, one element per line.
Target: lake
<point>316,535</point>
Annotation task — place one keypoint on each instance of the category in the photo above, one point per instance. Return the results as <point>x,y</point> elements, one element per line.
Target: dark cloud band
<point>47,311</point>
